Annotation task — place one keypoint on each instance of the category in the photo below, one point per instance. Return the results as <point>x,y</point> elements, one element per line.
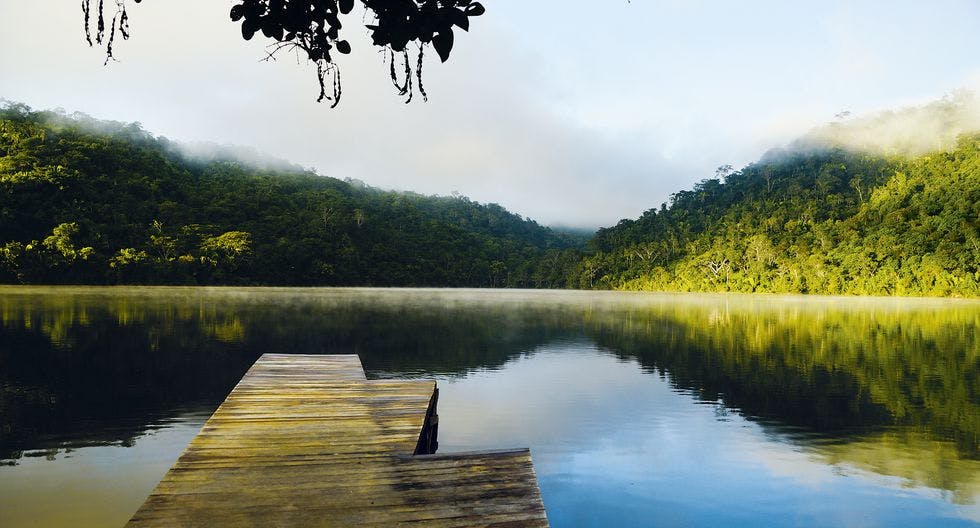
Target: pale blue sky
<point>558,110</point>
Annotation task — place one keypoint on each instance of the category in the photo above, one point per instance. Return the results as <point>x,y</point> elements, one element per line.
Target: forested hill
<point>815,218</point>
<point>861,208</point>
<point>83,201</point>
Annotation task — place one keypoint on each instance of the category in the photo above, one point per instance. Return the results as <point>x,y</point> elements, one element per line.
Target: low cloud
<point>208,151</point>
<point>907,131</point>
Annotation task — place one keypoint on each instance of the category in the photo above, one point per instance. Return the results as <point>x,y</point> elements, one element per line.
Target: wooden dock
<point>309,441</point>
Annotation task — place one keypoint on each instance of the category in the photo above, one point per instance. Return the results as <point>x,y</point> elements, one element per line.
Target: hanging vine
<point>119,23</point>
<point>312,28</point>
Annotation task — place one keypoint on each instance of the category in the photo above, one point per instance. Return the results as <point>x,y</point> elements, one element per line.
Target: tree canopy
<point>87,201</point>
<point>312,29</point>
<point>825,221</point>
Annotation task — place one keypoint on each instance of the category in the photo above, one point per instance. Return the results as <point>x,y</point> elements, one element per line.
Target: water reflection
<point>97,486</point>
<point>637,406</point>
<point>615,447</point>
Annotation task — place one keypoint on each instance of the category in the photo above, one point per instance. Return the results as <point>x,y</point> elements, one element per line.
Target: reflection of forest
<point>82,366</point>
<point>75,373</point>
<point>916,458</point>
<point>823,366</point>
<point>877,385</point>
<point>854,380</point>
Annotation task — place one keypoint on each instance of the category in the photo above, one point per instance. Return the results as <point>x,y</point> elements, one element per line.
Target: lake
<point>639,409</point>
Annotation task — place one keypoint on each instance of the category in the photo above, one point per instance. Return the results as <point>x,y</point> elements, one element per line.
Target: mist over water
<point>674,410</point>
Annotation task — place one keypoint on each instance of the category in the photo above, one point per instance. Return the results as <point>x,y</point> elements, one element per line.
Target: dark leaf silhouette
<point>443,43</point>
<point>460,19</point>
<point>249,27</point>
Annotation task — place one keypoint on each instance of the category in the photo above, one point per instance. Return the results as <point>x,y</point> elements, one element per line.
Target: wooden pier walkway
<point>309,441</point>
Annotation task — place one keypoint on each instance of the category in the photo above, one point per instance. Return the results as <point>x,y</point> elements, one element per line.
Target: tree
<point>61,243</point>
<point>227,248</point>
<point>312,29</point>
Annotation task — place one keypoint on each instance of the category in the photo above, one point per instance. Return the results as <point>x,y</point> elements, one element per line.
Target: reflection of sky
<point>614,446</point>
<point>91,486</point>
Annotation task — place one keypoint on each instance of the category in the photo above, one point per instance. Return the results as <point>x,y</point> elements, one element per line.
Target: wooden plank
<point>309,441</point>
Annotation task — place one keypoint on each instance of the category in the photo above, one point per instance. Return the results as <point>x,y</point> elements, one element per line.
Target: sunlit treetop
<point>312,28</point>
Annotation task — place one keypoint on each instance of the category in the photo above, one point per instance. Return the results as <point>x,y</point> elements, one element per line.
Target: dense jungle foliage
<point>85,201</point>
<point>809,220</point>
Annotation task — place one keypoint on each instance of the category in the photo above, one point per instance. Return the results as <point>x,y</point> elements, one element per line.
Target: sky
<point>572,113</point>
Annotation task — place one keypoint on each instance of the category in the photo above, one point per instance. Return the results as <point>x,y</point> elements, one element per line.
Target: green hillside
<point>860,207</point>
<point>819,217</point>
<point>85,201</point>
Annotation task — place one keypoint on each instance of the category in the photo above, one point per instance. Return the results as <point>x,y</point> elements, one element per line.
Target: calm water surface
<point>640,410</point>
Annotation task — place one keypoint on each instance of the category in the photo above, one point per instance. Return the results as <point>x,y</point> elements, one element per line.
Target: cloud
<point>907,131</point>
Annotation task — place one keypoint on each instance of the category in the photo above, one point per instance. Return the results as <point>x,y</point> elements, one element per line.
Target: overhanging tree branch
<point>312,29</point>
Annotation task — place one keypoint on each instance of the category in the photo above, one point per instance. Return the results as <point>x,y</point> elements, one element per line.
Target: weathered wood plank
<point>309,441</point>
